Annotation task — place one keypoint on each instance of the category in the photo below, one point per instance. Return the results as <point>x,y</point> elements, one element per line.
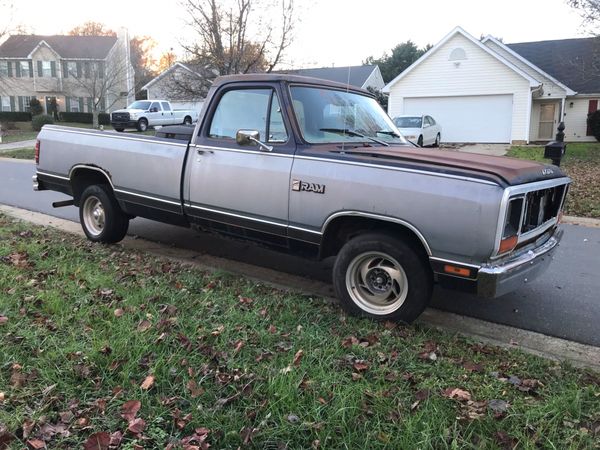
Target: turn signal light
<point>37,151</point>
<point>460,271</point>
<point>507,244</point>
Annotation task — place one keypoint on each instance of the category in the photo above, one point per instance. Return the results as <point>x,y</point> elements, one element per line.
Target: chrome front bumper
<point>506,276</point>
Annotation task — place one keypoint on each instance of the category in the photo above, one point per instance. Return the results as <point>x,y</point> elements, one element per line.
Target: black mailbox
<point>555,150</point>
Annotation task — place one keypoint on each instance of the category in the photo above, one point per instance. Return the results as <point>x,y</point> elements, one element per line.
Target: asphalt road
<point>564,302</point>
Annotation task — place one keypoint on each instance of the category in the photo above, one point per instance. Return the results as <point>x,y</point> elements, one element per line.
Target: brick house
<point>77,73</point>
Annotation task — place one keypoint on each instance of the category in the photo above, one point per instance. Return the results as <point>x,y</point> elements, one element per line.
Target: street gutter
<point>577,354</point>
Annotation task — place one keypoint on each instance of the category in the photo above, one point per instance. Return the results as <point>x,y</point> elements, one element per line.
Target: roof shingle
<point>574,62</point>
<point>84,47</point>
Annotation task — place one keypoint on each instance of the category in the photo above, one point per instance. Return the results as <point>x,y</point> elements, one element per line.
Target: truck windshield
<point>333,116</point>
<point>139,105</point>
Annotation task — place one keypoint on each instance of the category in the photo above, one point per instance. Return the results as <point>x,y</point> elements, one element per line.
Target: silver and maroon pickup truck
<point>307,165</point>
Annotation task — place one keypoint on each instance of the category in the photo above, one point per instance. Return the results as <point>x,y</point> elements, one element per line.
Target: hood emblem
<point>547,171</point>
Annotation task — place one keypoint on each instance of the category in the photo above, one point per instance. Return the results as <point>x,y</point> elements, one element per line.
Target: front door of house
<point>51,106</point>
<point>547,120</point>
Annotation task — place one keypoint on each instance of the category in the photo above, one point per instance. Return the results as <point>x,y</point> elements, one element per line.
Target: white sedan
<point>421,130</point>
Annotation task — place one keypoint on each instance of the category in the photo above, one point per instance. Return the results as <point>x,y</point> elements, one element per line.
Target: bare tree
<point>234,37</point>
<point>590,12</point>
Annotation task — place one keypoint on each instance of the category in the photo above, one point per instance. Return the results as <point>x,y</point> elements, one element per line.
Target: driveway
<point>484,149</point>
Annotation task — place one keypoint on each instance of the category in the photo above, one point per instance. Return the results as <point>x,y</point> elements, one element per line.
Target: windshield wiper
<point>388,132</point>
<point>353,134</point>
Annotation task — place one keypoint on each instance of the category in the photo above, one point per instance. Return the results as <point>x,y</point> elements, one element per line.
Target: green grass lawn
<point>98,342</point>
<point>582,164</point>
<point>19,153</point>
<point>25,133</point>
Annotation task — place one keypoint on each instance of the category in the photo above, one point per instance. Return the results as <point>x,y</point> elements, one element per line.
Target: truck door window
<point>277,131</point>
<point>155,107</point>
<point>165,106</point>
<point>241,109</point>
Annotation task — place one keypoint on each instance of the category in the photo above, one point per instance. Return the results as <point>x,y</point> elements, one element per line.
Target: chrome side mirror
<point>251,137</point>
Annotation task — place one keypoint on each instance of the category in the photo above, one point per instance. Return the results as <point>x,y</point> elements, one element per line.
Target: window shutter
<point>12,103</point>
<point>65,69</point>
<point>78,69</point>
<point>40,69</point>
<point>21,103</point>
<point>592,107</point>
<point>68,104</point>
<point>90,106</point>
<point>53,68</point>
<point>18,69</point>
<point>10,71</point>
<point>80,104</point>
<point>30,69</point>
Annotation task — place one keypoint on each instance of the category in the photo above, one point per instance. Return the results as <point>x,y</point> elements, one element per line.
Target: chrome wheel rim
<point>143,126</point>
<point>377,283</point>
<point>93,215</point>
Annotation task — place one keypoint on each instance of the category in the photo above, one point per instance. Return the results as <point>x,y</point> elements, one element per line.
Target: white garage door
<point>481,118</point>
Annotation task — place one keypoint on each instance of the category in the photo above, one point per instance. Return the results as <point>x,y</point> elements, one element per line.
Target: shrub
<point>35,107</point>
<point>15,116</point>
<point>80,117</point>
<point>39,121</point>
<point>594,124</point>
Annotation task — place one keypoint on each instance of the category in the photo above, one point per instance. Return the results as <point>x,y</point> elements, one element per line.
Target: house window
<point>25,69</point>
<point>3,68</point>
<point>46,69</point>
<point>74,104</point>
<point>5,103</point>
<point>72,68</point>
<point>458,54</point>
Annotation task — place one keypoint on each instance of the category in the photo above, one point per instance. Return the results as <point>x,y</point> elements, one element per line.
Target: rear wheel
<point>378,276</point>
<point>142,125</point>
<point>100,215</point>
<point>420,141</point>
<point>187,120</point>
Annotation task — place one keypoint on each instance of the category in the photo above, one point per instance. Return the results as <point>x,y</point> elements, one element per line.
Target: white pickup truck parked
<point>142,114</point>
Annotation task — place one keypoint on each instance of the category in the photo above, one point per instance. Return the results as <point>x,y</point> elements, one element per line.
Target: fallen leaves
<point>3,319</point>
<point>130,409</point>
<point>97,441</point>
<point>148,382</point>
<point>137,425</point>
<point>298,357</point>
<point>457,394</point>
<point>18,259</point>
<point>144,325</point>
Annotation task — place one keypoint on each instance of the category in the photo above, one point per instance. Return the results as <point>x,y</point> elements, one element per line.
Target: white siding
<point>576,119</point>
<point>375,80</point>
<point>551,89</point>
<point>479,74</point>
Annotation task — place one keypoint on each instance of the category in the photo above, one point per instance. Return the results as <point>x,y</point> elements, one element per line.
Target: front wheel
<point>142,125</point>
<point>420,141</point>
<point>100,215</point>
<point>437,141</point>
<point>378,276</point>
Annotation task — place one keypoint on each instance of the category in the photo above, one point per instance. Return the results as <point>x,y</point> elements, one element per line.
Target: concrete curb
<point>579,355</point>
<point>583,221</point>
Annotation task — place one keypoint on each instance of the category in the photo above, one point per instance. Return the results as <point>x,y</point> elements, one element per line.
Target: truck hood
<point>131,111</point>
<point>501,169</point>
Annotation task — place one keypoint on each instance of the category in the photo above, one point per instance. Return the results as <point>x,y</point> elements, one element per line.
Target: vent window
<point>458,54</point>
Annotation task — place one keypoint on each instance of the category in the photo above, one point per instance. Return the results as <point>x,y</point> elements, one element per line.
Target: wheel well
<point>187,117</point>
<point>341,229</point>
<point>84,177</point>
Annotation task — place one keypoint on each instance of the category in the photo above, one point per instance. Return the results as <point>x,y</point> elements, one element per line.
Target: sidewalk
<point>15,145</point>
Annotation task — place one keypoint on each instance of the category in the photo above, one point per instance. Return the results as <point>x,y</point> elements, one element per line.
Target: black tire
<point>438,138</point>
<point>420,141</point>
<point>100,215</point>
<point>404,292</point>
<point>187,120</point>
<point>120,130</point>
<point>142,124</point>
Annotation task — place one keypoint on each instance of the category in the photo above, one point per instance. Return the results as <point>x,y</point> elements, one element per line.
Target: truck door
<point>242,187</point>
<point>168,117</point>
<point>155,114</point>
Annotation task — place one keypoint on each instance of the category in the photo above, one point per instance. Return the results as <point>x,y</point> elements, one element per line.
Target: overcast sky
<point>331,32</point>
